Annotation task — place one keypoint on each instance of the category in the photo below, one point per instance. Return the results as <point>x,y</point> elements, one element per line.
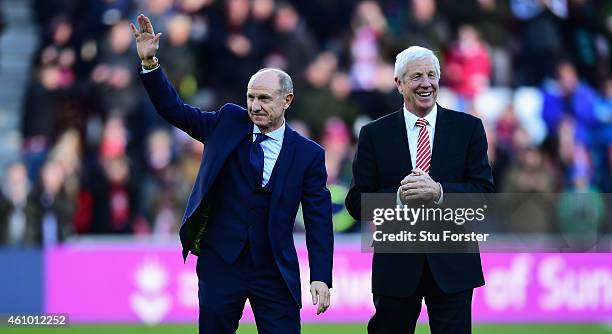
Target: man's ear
<point>288,100</point>
<point>398,84</point>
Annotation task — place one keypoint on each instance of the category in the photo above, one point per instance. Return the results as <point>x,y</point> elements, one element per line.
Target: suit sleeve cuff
<point>398,201</point>
<point>145,71</point>
<point>441,199</point>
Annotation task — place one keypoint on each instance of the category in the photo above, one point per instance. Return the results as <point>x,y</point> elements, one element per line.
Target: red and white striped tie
<point>423,147</point>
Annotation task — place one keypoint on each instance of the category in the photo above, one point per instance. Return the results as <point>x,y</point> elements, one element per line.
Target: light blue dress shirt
<point>271,148</point>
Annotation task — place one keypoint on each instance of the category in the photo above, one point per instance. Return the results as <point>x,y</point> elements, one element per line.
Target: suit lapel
<point>282,167</point>
<point>402,149</point>
<point>244,151</point>
<point>219,146</point>
<point>440,144</point>
<point>285,159</point>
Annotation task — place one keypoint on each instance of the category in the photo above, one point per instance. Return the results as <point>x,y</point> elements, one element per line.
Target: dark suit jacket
<point>301,177</point>
<point>459,162</point>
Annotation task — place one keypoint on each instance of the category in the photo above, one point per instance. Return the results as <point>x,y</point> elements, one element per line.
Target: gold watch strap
<point>152,65</point>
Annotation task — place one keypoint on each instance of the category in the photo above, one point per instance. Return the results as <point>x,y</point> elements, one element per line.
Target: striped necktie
<point>423,157</point>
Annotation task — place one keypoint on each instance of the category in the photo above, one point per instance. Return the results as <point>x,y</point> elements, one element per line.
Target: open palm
<point>147,42</point>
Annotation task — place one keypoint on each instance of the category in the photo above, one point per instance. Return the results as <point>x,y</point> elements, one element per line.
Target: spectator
<point>49,208</point>
<point>468,67</point>
<point>113,186</point>
<point>369,29</point>
<point>499,156</point>
<point>569,97</point>
<point>530,174</point>
<point>601,144</point>
<point>39,117</point>
<point>237,45</point>
<point>157,11</point>
<point>161,191</point>
<point>423,26</point>
<point>587,42</point>
<point>294,44</point>
<point>179,58</point>
<point>493,24</point>
<point>318,101</point>
<point>15,229</point>
<point>336,140</point>
<point>541,44</point>
<point>263,14</point>
<point>114,77</point>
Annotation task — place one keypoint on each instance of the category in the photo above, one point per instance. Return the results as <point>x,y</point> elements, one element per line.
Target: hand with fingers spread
<point>418,185</point>
<point>147,42</point>
<point>320,293</point>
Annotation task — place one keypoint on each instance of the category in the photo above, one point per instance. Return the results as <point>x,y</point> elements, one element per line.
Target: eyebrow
<point>261,96</point>
<point>420,73</point>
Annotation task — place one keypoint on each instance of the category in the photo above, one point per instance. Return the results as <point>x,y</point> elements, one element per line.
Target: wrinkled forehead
<point>423,66</point>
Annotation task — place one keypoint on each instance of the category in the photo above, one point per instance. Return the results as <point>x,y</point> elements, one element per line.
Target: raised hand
<point>147,42</point>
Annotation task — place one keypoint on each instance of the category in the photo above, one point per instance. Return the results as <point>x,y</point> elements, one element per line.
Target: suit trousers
<point>448,313</point>
<point>223,289</point>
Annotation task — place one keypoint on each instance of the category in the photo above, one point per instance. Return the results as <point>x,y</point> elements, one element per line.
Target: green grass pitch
<point>309,329</point>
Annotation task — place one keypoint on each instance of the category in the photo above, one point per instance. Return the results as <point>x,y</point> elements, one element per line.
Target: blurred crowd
<point>96,158</point>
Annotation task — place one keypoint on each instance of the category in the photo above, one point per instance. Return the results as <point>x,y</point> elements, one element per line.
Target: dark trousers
<point>448,313</point>
<point>224,288</point>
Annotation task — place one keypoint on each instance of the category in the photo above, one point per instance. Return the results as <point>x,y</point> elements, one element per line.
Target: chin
<point>422,105</point>
<point>262,124</point>
<point>426,107</point>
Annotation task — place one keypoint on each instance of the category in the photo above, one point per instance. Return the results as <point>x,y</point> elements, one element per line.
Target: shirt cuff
<point>441,199</point>
<point>398,201</point>
<point>145,71</point>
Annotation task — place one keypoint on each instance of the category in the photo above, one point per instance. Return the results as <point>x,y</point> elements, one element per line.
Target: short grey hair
<point>284,79</point>
<point>414,53</point>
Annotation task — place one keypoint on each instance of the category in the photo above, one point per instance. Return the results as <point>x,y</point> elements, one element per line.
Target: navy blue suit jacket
<point>301,178</point>
<point>459,162</point>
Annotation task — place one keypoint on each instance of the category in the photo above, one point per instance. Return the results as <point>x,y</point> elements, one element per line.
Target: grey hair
<point>414,53</point>
<point>284,80</point>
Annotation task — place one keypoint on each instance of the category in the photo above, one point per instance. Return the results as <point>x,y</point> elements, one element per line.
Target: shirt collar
<point>277,134</point>
<point>411,118</point>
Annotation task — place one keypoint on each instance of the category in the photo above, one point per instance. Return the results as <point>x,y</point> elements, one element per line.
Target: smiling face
<point>266,103</point>
<point>419,86</point>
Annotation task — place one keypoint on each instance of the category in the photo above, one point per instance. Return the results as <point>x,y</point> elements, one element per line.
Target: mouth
<point>424,94</point>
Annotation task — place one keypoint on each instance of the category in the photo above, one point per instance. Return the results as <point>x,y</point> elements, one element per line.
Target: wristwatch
<point>151,65</point>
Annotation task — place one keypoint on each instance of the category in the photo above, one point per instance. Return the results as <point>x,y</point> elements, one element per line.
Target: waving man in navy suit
<point>254,174</point>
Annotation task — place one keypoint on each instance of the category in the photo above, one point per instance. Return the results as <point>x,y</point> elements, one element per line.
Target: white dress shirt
<point>271,148</point>
<point>413,136</point>
<point>413,130</point>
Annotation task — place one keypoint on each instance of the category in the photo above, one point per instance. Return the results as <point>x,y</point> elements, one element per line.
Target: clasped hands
<point>418,185</point>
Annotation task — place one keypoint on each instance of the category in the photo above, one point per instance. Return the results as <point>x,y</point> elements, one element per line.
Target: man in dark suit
<point>419,153</point>
<point>255,171</point>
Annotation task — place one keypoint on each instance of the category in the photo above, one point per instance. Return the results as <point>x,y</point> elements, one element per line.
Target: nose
<point>256,106</point>
<point>425,81</point>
